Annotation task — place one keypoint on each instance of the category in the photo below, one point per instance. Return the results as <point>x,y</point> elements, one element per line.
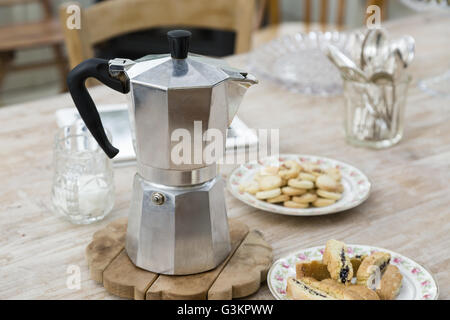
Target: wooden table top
<point>408,210</point>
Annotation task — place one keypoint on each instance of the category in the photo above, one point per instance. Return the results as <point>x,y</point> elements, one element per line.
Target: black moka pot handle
<point>99,69</point>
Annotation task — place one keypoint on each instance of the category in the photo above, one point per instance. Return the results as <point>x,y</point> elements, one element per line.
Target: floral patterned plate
<point>418,283</point>
<point>356,185</point>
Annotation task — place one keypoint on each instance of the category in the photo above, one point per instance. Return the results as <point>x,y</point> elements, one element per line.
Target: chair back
<point>45,4</point>
<point>112,18</point>
<point>335,18</point>
<point>324,18</point>
<point>339,13</point>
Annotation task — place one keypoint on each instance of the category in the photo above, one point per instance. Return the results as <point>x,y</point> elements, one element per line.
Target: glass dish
<point>298,63</point>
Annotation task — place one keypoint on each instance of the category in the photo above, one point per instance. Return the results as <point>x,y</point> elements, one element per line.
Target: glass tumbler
<point>83,182</point>
<point>375,112</point>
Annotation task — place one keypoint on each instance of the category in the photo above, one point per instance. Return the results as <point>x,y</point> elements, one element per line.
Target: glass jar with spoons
<point>375,88</point>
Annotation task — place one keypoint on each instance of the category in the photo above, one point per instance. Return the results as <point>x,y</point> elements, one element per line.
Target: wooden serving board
<point>239,275</point>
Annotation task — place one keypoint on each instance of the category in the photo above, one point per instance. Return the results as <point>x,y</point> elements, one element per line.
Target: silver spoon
<point>374,50</point>
<point>406,47</point>
<point>346,66</point>
<point>354,46</point>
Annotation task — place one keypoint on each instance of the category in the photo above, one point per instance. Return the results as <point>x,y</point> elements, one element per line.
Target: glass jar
<point>375,112</point>
<point>83,183</point>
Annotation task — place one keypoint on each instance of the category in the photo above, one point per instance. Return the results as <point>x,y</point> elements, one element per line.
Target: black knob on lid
<point>179,43</point>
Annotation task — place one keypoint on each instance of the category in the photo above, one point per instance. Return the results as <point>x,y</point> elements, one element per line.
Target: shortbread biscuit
<point>300,184</point>
<point>327,183</point>
<point>293,191</point>
<point>262,195</point>
<point>295,205</point>
<point>289,170</point>
<point>321,202</point>
<point>337,261</point>
<point>390,284</point>
<point>251,187</point>
<point>312,168</point>
<point>306,198</point>
<point>328,195</point>
<point>269,182</point>
<point>335,173</point>
<point>296,181</point>
<point>298,289</point>
<point>271,171</point>
<point>307,176</point>
<point>280,198</point>
<point>367,270</point>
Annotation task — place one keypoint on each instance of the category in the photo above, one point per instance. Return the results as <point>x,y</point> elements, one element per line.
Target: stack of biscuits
<point>333,277</point>
<point>296,186</point>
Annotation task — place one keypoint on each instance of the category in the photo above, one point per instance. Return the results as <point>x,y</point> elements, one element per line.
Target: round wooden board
<point>240,275</point>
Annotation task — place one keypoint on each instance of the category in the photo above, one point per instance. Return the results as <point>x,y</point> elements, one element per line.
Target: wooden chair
<point>323,18</point>
<point>108,19</point>
<point>269,8</point>
<point>273,11</point>
<point>46,32</point>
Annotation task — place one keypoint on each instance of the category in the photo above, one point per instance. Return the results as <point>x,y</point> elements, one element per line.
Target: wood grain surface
<point>106,244</point>
<point>195,286</point>
<point>239,275</point>
<point>245,271</point>
<point>408,210</point>
<point>122,278</point>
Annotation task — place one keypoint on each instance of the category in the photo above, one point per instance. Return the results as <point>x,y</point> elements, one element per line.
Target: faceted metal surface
<point>188,233</point>
<point>170,94</point>
<point>161,71</point>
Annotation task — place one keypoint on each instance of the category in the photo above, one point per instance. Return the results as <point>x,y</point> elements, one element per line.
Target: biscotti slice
<point>356,261</point>
<point>337,261</point>
<point>366,274</point>
<point>363,292</point>
<point>342,292</point>
<point>333,288</point>
<point>317,270</point>
<point>349,292</point>
<point>298,289</point>
<point>313,269</point>
<point>390,284</point>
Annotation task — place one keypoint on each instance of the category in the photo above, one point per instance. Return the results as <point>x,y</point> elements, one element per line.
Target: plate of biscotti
<point>338,271</point>
<point>299,185</point>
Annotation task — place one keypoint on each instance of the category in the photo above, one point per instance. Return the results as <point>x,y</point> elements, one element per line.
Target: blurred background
<point>34,58</point>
